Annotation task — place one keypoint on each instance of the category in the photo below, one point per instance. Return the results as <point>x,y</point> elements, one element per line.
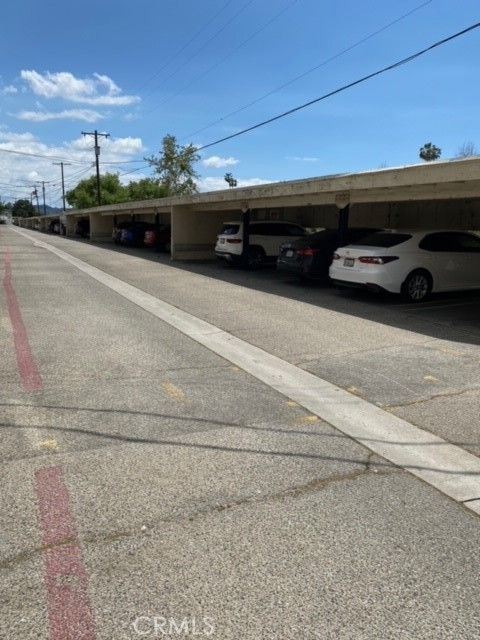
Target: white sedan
<point>413,263</point>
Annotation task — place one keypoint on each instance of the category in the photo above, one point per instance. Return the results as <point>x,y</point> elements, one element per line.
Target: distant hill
<point>51,209</point>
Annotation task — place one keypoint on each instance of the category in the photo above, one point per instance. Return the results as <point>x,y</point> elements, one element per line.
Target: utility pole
<point>62,164</point>
<point>35,195</point>
<point>95,134</point>
<point>43,191</point>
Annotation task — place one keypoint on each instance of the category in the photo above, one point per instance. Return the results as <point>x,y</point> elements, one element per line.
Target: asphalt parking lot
<point>421,361</point>
<point>191,491</point>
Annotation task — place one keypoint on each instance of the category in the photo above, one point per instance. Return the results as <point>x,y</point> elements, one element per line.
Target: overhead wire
<point>369,76</point>
<point>310,70</point>
<point>229,55</point>
<point>38,155</point>
<point>205,44</point>
<point>185,46</point>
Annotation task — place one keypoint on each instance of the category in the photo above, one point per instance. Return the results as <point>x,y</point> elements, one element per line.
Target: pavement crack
<point>23,556</point>
<point>291,492</point>
<point>447,394</point>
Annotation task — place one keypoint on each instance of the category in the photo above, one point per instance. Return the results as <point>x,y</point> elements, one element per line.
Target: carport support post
<point>343,216</point>
<point>70,226</point>
<point>246,235</point>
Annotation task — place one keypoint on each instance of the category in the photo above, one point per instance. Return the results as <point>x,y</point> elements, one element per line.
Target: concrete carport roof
<point>431,195</point>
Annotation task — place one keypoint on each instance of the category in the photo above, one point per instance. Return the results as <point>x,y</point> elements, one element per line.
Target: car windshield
<point>383,240</point>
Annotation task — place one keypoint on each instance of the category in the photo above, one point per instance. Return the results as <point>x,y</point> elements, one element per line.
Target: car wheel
<point>417,286</point>
<point>256,256</point>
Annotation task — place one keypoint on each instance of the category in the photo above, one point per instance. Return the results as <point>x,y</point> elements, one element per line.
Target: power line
<point>182,49</point>
<point>414,56</point>
<point>311,70</point>
<point>229,55</point>
<point>38,155</point>
<point>126,173</point>
<point>194,55</point>
<point>121,161</point>
<point>7,185</point>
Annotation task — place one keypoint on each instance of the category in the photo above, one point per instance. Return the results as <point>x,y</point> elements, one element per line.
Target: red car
<point>158,238</point>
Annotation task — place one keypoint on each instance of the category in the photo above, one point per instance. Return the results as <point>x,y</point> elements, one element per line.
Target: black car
<point>311,256</point>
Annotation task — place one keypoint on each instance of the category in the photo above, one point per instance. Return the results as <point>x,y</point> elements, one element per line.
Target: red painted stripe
<point>69,613</point>
<point>29,373</point>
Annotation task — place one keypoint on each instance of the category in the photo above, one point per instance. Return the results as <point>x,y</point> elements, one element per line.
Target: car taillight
<point>336,256</point>
<point>307,251</point>
<point>377,259</point>
<point>234,240</point>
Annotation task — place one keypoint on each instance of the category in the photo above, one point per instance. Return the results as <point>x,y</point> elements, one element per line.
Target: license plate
<point>289,253</point>
<point>349,262</point>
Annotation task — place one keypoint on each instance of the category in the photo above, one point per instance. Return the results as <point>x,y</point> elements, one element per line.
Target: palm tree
<point>430,152</point>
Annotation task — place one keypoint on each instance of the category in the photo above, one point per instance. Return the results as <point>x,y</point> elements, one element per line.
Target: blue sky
<point>141,70</point>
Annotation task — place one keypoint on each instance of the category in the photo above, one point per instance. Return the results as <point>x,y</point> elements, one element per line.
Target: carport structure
<point>444,195</point>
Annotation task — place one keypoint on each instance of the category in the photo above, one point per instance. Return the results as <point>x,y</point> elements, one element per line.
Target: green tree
<point>430,152</point>
<point>145,189</point>
<point>5,207</point>
<point>84,195</point>
<point>230,180</point>
<point>23,209</point>
<point>174,167</point>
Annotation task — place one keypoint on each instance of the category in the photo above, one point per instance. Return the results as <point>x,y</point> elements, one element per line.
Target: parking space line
<point>449,468</point>
<point>27,367</point>
<point>69,612</point>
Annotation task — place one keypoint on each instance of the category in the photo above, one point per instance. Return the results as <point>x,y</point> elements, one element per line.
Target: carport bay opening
<point>194,232</point>
<point>439,195</point>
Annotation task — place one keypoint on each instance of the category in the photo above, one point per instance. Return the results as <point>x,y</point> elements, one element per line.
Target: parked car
<point>265,240</point>
<point>311,256</point>
<point>55,226</point>
<point>118,228</point>
<point>158,238</point>
<point>412,263</point>
<point>82,228</point>
<point>134,234</point>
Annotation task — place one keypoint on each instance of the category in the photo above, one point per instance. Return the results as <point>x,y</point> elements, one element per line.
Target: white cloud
<point>86,115</point>
<point>9,89</point>
<point>216,184</point>
<point>10,136</point>
<point>100,90</point>
<point>217,162</point>
<point>24,169</point>
<point>303,158</point>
